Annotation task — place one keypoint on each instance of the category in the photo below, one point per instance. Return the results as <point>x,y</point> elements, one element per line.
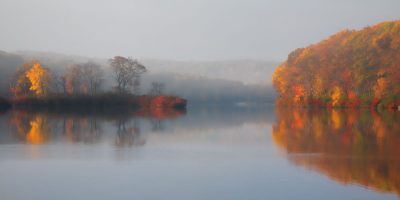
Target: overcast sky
<point>182,29</point>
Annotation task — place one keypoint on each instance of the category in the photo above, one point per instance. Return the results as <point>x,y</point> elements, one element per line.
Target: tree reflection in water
<point>86,130</point>
<point>128,133</point>
<point>157,125</point>
<point>36,127</point>
<point>39,131</point>
<point>348,146</point>
<point>39,128</point>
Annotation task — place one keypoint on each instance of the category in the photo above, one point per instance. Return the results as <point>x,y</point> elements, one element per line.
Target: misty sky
<point>182,29</point>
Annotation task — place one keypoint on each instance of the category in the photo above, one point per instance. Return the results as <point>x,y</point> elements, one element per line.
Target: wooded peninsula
<point>34,86</point>
<point>353,68</point>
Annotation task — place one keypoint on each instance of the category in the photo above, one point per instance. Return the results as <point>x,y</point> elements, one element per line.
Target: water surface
<point>205,153</point>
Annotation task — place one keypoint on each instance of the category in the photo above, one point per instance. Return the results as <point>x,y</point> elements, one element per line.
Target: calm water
<point>225,153</point>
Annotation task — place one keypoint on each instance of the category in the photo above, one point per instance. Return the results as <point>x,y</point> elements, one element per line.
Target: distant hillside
<point>350,68</point>
<point>208,90</point>
<point>246,71</point>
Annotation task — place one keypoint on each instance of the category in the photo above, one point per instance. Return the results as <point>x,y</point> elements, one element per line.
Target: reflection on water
<point>124,129</point>
<point>41,127</point>
<point>348,146</point>
<point>204,153</point>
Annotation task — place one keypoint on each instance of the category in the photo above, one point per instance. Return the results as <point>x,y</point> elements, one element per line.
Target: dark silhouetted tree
<point>127,74</point>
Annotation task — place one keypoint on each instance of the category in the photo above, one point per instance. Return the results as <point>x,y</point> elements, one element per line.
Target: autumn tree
<point>127,74</point>
<point>39,78</point>
<point>31,79</point>
<point>92,77</point>
<point>72,79</point>
<point>58,83</point>
<point>84,78</point>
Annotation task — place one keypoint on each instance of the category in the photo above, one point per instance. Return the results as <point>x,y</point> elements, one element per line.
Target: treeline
<point>34,79</point>
<point>349,69</point>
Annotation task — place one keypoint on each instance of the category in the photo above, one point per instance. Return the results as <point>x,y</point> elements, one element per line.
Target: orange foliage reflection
<point>39,131</point>
<point>31,129</point>
<point>348,146</point>
<point>42,127</point>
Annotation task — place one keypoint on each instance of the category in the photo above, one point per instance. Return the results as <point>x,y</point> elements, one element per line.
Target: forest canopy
<point>349,69</point>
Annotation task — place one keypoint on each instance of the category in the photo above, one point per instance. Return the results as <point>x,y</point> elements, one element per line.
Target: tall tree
<point>127,74</point>
<point>84,78</point>
<point>72,79</point>
<point>31,79</point>
<point>39,78</point>
<point>92,77</point>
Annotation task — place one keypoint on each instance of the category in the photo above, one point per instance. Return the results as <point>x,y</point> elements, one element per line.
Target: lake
<point>201,153</point>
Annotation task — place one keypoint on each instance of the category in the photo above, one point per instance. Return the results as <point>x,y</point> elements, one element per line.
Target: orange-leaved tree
<point>39,78</point>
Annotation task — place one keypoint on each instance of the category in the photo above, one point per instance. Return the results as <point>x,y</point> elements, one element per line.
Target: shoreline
<point>98,103</point>
<point>383,105</point>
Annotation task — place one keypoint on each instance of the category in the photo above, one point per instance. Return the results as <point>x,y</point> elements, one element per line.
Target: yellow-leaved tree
<point>39,78</point>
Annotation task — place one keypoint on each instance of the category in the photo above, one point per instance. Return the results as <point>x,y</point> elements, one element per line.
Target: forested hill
<point>351,68</point>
